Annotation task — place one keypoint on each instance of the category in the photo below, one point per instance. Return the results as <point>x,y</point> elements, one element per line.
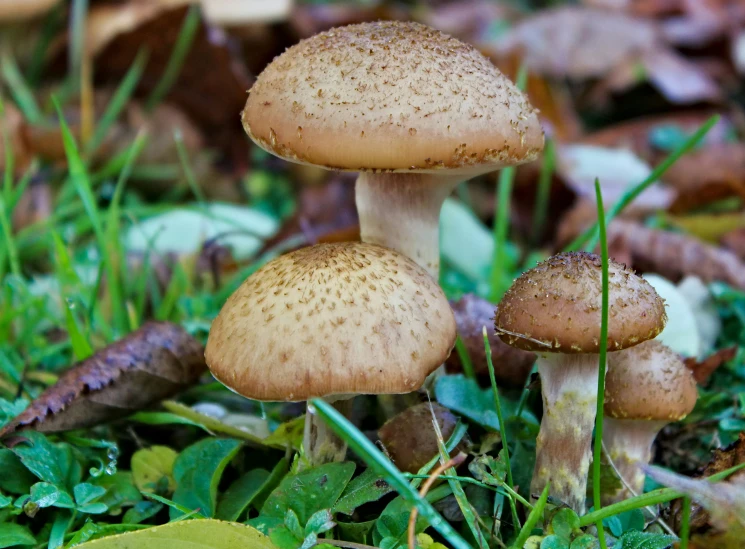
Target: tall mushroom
<point>414,110</point>
<point>647,387</point>
<point>554,310</point>
<point>331,321</point>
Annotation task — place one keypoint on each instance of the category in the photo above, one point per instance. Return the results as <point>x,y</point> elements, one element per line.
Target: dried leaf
<point>724,501</point>
<point>674,255</point>
<point>511,366</point>
<point>13,125</point>
<point>735,241</point>
<point>579,43</point>
<point>679,80</point>
<point>155,362</point>
<point>703,369</point>
<point>616,169</point>
<point>709,227</point>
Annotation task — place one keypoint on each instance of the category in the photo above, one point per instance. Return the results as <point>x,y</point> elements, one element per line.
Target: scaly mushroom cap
<point>331,319</point>
<point>649,381</point>
<point>391,96</point>
<point>556,307</point>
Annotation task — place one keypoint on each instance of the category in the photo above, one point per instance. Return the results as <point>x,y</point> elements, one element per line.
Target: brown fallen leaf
<point>152,363</point>
<point>34,206</point>
<point>735,242</point>
<point>703,369</point>
<point>511,366</point>
<point>579,43</point>
<point>12,125</point>
<point>680,81</point>
<point>674,255</point>
<point>21,10</point>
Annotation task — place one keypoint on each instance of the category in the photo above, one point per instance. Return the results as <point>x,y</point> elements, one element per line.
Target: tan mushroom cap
<point>331,319</point>
<point>649,381</point>
<point>556,307</point>
<point>391,96</point>
<point>21,10</point>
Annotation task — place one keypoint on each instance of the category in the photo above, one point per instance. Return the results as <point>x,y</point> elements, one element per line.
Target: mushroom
<point>647,387</point>
<point>411,108</point>
<point>21,10</point>
<point>331,321</point>
<point>554,310</point>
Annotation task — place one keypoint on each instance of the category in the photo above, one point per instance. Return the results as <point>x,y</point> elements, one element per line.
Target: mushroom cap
<point>391,96</point>
<point>556,307</point>
<point>649,381</point>
<point>21,10</point>
<point>331,319</point>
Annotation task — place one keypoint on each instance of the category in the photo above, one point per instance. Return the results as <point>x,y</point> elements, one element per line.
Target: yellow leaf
<point>195,534</point>
<point>709,227</point>
<point>150,465</point>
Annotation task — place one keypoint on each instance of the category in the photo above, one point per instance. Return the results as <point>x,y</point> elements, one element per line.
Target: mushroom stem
<point>320,443</point>
<point>569,384</point>
<point>401,211</point>
<point>629,444</point>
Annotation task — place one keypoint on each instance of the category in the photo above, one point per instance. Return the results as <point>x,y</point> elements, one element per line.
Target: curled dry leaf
<point>152,363</point>
<point>703,369</point>
<point>674,255</point>
<point>511,366</point>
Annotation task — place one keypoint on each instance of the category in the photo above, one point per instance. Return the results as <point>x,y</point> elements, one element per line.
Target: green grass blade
<point>183,156</point>
<point>178,56</point>
<point>498,278</point>
<point>79,178</point>
<point>602,352</point>
<point>384,467</point>
<point>76,48</point>
<point>8,154</point>
<point>113,237</point>
<point>685,523</point>
<point>38,60</point>
<point>533,518</point>
<point>118,101</point>
<point>543,195</point>
<point>590,236</point>
<point>20,90</point>
<point>458,433</point>
<point>502,426</point>
<point>12,250</point>
<point>465,358</point>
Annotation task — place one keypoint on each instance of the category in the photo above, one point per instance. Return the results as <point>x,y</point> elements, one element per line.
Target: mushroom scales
<point>554,310</point>
<point>411,108</point>
<point>331,320</point>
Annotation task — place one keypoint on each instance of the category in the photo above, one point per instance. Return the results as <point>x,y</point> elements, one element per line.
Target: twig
<point>454,462</point>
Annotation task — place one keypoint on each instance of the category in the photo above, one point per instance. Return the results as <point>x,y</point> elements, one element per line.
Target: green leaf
<point>356,532</point>
<point>489,470</point>
<point>86,493</point>
<point>240,494</point>
<point>289,434</point>
<point>585,542</point>
<point>44,494</point>
<point>564,523</point>
<point>367,487</point>
<point>293,524</point>
<point>309,491</point>
<point>197,471</point>
<point>625,522</point>
<point>644,540</point>
<point>554,542</point>
<point>151,465</point>
<point>15,479</point>
<point>141,512</point>
<point>53,463</point>
<point>195,534</point>
<point>15,534</point>
<point>120,490</point>
<point>320,522</point>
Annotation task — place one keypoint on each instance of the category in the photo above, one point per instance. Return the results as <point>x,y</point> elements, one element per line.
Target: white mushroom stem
<point>563,449</point>
<point>628,443</point>
<point>320,443</point>
<point>401,211</point>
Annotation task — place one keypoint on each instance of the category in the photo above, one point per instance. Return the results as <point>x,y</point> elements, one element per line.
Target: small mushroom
<point>411,108</point>
<point>647,387</point>
<point>331,321</point>
<point>554,310</point>
<point>410,439</point>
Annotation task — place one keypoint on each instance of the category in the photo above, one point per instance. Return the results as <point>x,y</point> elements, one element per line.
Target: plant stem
<point>502,427</point>
<point>601,365</point>
<point>685,524</point>
<point>465,358</point>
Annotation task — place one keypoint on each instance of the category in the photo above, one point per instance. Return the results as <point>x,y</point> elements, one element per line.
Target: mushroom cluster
<point>554,310</point>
